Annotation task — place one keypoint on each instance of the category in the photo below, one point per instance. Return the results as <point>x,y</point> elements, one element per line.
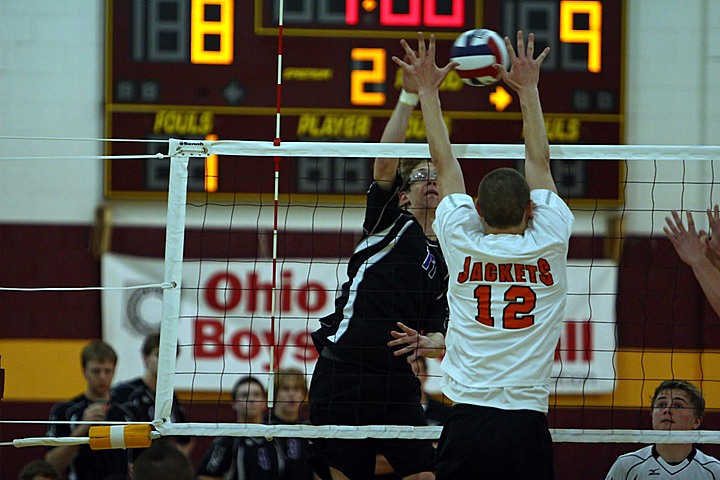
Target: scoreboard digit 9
<point>208,69</point>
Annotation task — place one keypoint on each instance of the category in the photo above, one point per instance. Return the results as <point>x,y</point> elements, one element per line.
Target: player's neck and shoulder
<point>647,461</point>
<point>707,462</point>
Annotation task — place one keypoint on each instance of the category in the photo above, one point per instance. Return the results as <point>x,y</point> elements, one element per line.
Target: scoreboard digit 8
<point>208,69</point>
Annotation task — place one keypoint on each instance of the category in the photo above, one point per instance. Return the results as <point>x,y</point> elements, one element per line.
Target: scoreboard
<point>208,69</point>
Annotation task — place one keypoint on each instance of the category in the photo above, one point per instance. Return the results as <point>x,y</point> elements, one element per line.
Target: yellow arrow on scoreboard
<point>500,98</point>
<point>369,5</point>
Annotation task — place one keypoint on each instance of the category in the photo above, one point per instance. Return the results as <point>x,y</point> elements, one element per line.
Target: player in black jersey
<point>396,275</point>
<point>239,458</point>
<point>79,461</point>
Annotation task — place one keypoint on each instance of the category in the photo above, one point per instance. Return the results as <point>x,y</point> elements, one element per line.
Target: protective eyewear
<point>422,176</point>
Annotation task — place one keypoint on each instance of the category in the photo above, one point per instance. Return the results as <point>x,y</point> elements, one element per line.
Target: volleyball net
<point>247,275</point>
<point>252,316</point>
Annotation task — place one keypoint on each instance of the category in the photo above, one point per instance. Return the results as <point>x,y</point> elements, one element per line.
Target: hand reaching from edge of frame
<point>689,245</point>
<point>713,245</point>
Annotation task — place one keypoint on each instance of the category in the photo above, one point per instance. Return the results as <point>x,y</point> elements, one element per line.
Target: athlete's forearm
<point>709,278</point>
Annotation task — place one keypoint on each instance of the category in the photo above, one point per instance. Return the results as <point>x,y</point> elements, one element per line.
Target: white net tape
<point>421,150</point>
<point>427,433</point>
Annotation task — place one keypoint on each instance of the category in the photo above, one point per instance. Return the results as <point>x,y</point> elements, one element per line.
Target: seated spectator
<point>162,461</point>
<point>38,470</point>
<point>134,399</point>
<point>290,393</point>
<point>235,458</point>
<point>98,360</point>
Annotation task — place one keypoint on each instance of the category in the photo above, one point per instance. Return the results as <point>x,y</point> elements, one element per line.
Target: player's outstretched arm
<point>691,248</point>
<point>523,77</point>
<point>713,247</point>
<point>384,169</point>
<point>427,76</point>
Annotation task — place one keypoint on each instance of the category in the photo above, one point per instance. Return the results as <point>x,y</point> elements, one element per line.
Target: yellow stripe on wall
<point>42,370</point>
<point>48,370</point>
<point>638,373</point>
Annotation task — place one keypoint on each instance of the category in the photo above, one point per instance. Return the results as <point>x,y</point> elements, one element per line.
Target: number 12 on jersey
<point>516,314</point>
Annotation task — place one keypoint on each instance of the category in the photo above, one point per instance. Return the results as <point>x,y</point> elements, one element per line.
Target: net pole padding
<point>180,152</point>
<point>428,433</point>
<point>120,436</point>
<point>483,151</point>
<point>99,438</point>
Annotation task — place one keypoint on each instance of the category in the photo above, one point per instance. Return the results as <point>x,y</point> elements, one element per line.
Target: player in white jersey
<point>676,405</point>
<point>506,258</point>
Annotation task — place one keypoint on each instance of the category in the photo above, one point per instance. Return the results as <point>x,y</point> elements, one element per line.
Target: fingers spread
<point>531,45</point>
<point>421,45</point>
<point>520,44</point>
<point>510,49</point>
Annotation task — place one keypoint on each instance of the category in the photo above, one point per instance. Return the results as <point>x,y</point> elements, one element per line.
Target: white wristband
<point>408,98</point>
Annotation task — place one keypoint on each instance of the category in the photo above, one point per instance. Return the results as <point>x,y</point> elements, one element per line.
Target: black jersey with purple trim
<point>137,401</point>
<point>88,464</point>
<point>120,392</point>
<point>396,274</point>
<point>243,458</point>
<point>295,451</point>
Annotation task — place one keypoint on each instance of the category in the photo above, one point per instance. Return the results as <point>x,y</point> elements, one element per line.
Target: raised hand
<point>524,69</point>
<point>408,82</point>
<point>420,68</point>
<point>689,245</point>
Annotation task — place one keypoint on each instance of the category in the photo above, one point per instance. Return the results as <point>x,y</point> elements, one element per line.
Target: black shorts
<point>340,394</point>
<point>493,444</point>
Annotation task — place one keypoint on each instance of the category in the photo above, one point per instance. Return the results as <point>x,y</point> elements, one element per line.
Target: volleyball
<point>476,51</point>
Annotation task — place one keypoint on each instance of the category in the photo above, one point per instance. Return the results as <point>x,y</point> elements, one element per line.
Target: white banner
<point>225,327</point>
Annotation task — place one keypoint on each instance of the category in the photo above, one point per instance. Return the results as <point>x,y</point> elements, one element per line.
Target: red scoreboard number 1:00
<point>421,13</point>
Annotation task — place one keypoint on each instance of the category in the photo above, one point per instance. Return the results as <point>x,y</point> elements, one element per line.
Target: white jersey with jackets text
<point>647,464</point>
<point>506,296</point>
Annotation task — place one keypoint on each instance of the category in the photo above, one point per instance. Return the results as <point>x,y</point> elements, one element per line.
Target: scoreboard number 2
<point>367,85</point>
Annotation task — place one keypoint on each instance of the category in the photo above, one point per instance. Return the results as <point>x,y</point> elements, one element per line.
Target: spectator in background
<point>134,400</point>
<point>38,470</point>
<point>699,250</point>
<point>676,405</point>
<point>236,458</point>
<point>290,393</point>
<point>162,461</point>
<point>79,462</point>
